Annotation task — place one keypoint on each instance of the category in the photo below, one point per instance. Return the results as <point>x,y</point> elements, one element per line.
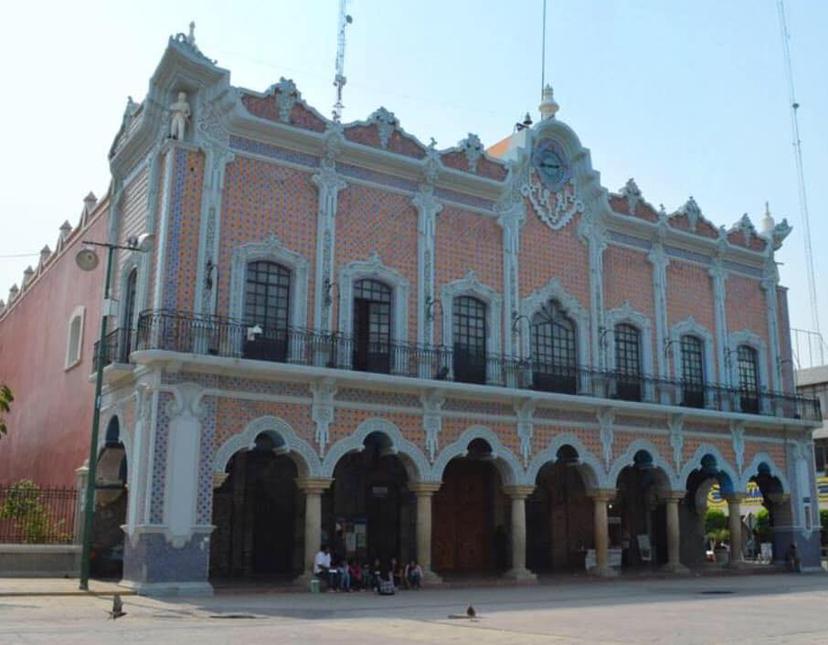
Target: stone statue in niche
<point>180,116</point>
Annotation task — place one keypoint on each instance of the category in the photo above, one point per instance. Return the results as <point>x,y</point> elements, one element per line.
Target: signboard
<point>754,499</point>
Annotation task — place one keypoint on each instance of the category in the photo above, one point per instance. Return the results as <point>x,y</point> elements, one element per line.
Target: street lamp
<point>87,260</point>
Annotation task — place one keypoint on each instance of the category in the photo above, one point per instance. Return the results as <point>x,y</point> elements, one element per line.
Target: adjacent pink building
<point>482,359</point>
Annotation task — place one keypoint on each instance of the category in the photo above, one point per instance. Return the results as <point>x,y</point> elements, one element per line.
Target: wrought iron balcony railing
<point>216,336</point>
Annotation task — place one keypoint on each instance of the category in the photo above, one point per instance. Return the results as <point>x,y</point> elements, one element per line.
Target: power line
<point>800,173</point>
<point>18,255</point>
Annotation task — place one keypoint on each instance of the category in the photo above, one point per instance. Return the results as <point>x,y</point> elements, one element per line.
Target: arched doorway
<point>700,534</point>
<point>639,512</point>
<point>559,516</point>
<point>471,515</point>
<point>107,555</point>
<point>369,512</point>
<point>256,512</point>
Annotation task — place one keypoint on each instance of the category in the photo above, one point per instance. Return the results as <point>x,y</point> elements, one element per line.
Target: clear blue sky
<point>686,97</point>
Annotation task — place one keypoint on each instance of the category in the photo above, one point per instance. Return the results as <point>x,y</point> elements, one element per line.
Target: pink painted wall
<point>49,425</point>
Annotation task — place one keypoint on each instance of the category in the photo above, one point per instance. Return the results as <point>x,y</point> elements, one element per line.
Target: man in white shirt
<point>322,565</point>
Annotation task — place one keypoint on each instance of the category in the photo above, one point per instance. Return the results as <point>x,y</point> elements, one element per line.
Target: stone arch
<point>589,466</point>
<point>414,460</point>
<point>723,465</point>
<point>753,469</point>
<point>508,465</point>
<point>297,448</point>
<point>628,458</point>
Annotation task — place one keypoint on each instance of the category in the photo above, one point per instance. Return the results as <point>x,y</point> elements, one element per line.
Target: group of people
<point>343,574</point>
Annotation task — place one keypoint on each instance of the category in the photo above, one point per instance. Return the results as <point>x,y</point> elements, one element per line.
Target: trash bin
<point>314,585</point>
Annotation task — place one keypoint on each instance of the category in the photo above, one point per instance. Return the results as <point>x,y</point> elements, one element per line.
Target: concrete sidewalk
<point>57,587</point>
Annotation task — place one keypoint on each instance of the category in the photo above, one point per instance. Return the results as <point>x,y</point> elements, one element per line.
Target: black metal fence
<point>212,335</point>
<point>33,515</point>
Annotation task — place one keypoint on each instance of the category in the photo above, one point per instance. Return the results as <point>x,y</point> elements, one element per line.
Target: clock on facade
<point>549,163</point>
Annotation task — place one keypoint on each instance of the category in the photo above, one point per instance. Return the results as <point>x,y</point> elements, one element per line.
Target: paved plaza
<point>748,609</point>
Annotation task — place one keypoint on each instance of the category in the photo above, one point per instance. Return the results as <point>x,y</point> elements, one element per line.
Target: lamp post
<point>87,260</point>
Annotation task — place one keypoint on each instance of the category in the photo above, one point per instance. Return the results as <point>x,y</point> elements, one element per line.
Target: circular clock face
<point>550,165</point>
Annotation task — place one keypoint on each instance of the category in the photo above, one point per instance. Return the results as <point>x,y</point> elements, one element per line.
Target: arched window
<point>266,309</point>
<point>372,326</point>
<point>628,362</point>
<point>554,359</point>
<point>125,340</point>
<point>692,371</point>
<point>748,371</point>
<point>74,341</point>
<point>469,325</point>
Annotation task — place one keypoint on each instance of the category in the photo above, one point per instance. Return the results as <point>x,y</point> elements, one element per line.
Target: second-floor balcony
<point>183,332</point>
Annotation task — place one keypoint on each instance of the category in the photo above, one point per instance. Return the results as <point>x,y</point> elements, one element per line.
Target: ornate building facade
<point>481,359</point>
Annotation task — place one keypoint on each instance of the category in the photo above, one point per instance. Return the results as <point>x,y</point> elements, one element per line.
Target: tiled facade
<point>368,199</point>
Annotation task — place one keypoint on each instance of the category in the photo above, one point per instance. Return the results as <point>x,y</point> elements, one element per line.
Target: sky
<point>688,98</point>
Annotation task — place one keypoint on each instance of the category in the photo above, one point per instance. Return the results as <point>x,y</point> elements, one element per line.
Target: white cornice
<point>236,367</point>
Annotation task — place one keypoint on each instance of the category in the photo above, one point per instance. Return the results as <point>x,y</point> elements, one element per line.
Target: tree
<point>5,405</point>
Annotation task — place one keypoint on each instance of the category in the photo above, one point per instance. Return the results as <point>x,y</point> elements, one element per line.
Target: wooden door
<point>462,533</point>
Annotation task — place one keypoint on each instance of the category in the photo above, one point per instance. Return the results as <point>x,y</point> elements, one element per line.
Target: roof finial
<point>191,35</point>
<point>767,223</point>
<point>548,107</point>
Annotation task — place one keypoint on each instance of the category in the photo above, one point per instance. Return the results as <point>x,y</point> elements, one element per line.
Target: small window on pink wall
<point>74,342</point>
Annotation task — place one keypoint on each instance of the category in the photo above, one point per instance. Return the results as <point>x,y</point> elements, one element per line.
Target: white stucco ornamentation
<point>737,435</point>
<point>525,428</point>
<point>510,468</point>
<point>690,327</point>
<point>691,210</point>
<point>626,314</point>
<point>469,285</point>
<point>271,249</point>
<point>415,462</point>
<point>427,210</point>
<point>386,124</point>
<point>374,268</point>
<point>473,149</point>
<point>183,457</point>
<point>329,184</point>
<point>322,410</point>
<point>606,419</point>
<point>286,97</point>
<point>432,421</point>
<point>285,439</point>
<point>555,209</point>
<point>676,425</point>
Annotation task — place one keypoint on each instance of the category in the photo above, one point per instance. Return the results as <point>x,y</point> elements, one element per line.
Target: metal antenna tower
<point>797,145</point>
<point>339,79</point>
<point>543,49</point>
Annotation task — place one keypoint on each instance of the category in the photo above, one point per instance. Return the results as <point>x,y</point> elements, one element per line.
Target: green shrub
<point>24,507</point>
<point>714,519</point>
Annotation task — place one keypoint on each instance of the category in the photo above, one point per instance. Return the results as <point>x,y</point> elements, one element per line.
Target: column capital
<point>602,494</point>
<point>424,489</point>
<point>219,479</point>
<point>518,492</point>
<point>672,495</point>
<point>313,485</point>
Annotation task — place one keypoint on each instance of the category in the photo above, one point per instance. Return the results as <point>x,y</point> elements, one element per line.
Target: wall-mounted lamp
<point>209,270</point>
<point>668,345</point>
<point>327,289</point>
<point>429,308</point>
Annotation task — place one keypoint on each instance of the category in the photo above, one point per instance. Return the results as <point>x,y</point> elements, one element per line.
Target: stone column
<point>424,492</point>
<point>518,494</point>
<point>734,511</point>
<point>600,499</point>
<point>313,489</point>
<point>674,564</point>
